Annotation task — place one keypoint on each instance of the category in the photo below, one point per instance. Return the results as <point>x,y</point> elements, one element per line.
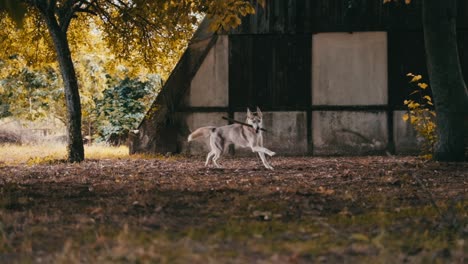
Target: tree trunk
<point>75,147</point>
<point>446,79</point>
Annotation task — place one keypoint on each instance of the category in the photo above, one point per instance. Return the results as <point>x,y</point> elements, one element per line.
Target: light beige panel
<point>209,87</point>
<point>196,120</point>
<point>349,68</point>
<point>349,133</point>
<point>286,135</point>
<point>406,140</point>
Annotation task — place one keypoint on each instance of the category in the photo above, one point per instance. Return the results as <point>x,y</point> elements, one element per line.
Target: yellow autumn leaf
<point>405,117</point>
<point>410,74</point>
<point>416,78</point>
<point>423,85</point>
<point>427,97</point>
<point>413,105</point>
<point>360,237</point>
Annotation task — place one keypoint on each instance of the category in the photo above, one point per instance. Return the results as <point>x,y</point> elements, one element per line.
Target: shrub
<point>421,114</point>
<point>9,137</point>
<point>122,108</point>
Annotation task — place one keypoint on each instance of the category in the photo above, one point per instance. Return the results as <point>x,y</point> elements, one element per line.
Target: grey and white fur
<point>240,135</point>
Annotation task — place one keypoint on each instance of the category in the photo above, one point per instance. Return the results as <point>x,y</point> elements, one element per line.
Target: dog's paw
<point>272,154</point>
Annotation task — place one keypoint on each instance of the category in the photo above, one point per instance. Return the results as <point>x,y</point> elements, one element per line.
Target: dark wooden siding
<point>462,36</point>
<point>462,17</point>
<point>311,16</point>
<point>405,54</point>
<point>274,71</point>
<point>271,71</point>
<point>349,15</point>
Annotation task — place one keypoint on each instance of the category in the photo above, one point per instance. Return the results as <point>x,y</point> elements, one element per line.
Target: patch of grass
<point>129,244</point>
<point>409,230</point>
<point>54,153</point>
<point>105,152</point>
<point>31,154</point>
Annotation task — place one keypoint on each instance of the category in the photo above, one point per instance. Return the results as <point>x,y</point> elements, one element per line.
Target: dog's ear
<point>259,113</point>
<point>249,114</point>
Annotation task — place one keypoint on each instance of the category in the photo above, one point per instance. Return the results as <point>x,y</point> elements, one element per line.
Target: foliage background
<point>31,88</point>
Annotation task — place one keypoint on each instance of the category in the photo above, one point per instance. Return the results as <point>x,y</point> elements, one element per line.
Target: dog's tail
<point>202,132</point>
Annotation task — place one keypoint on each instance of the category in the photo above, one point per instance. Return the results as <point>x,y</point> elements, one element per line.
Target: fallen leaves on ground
<point>176,210</point>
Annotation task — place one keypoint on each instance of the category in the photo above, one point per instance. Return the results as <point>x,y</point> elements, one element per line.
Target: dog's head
<point>255,119</point>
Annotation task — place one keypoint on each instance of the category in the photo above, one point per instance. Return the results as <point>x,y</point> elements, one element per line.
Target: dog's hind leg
<point>216,157</point>
<point>216,149</point>
<point>208,157</point>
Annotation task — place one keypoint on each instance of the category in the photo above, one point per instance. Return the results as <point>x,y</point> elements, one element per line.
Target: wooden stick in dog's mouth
<point>242,123</point>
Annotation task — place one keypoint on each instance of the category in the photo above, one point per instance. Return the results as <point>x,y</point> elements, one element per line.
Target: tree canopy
<point>140,32</point>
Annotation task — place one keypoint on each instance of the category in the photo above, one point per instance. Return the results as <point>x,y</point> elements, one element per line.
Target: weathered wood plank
<point>270,71</point>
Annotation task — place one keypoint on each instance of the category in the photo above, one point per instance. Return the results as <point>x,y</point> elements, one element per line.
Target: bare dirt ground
<point>174,210</point>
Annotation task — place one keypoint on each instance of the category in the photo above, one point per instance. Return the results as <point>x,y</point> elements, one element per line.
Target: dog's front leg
<point>264,161</point>
<point>262,150</point>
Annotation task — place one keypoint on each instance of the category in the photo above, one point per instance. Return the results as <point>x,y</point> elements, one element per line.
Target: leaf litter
<point>309,209</point>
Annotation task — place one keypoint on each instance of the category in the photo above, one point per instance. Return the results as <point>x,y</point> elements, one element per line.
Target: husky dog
<point>237,134</point>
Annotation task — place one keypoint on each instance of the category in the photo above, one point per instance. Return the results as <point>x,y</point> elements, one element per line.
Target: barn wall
<point>159,131</point>
<point>209,87</point>
<point>349,69</point>
<point>348,132</point>
<point>287,132</point>
<point>329,77</point>
<point>306,16</point>
<point>322,94</point>
<point>194,121</point>
<point>406,140</point>
<point>269,71</point>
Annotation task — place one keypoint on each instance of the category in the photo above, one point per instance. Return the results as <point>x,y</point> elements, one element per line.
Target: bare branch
<point>66,13</point>
<point>85,10</point>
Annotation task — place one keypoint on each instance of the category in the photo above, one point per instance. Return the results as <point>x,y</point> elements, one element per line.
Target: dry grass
<point>106,152</point>
<point>44,153</point>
